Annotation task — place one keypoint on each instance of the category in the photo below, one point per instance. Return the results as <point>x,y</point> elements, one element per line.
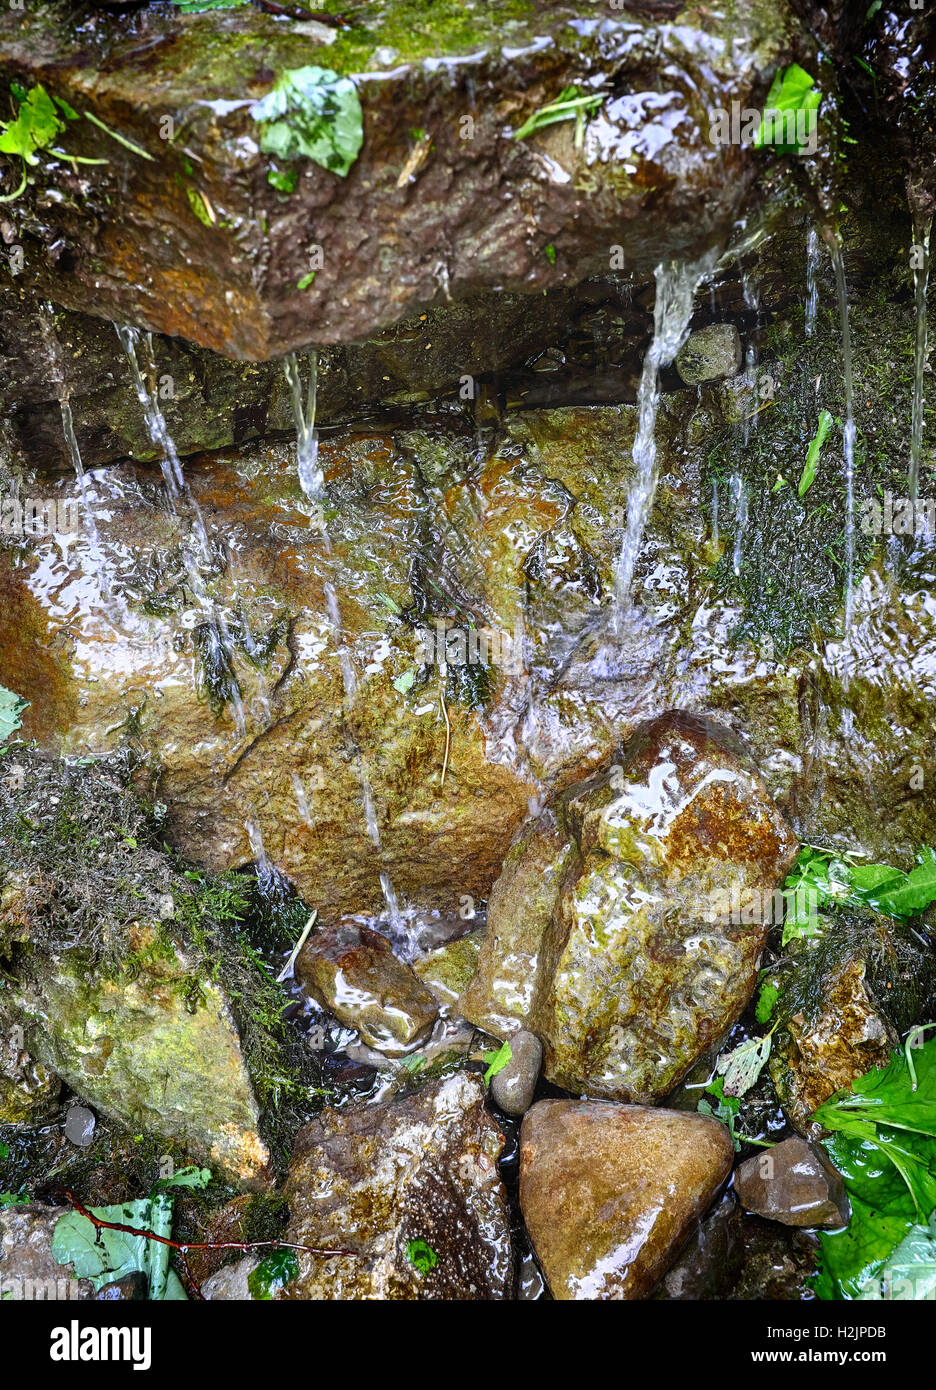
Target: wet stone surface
<point>794,1183</point>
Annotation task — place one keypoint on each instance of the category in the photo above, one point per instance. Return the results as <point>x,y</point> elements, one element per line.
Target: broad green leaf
<point>35,128</point>
<point>812,453</point>
<point>11,712</point>
<point>791,90</point>
<point>909,1273</point>
<point>105,1256</point>
<point>312,113</point>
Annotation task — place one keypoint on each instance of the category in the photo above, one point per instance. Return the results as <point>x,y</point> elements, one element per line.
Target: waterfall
<point>311,477</point>
<point>921,238</point>
<point>812,279</point>
<point>838,262</point>
<point>676,283</point>
<point>219,635</point>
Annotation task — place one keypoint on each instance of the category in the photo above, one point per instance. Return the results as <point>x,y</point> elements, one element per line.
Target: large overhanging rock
<point>179,229</point>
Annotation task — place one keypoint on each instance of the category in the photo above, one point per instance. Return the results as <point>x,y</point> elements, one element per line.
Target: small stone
<point>710,354</point>
<point>793,1183</point>
<point>513,1086</point>
<point>609,1192</point>
<point>352,971</point>
<point>79,1126</point>
<point>133,1288</point>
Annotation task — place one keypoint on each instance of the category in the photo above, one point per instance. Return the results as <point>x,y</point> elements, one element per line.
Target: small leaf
<point>743,1066</point>
<point>277,1269</point>
<point>11,712</point>
<point>496,1061</point>
<point>421,1255</point>
<point>312,113</point>
<point>404,683</point>
<point>766,1001</point>
<point>812,454</point>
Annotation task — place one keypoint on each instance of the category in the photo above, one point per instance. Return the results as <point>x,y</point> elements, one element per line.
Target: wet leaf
<point>11,712</point>
<point>496,1061</point>
<point>909,1274</point>
<point>105,1256</point>
<point>791,90</point>
<point>812,454</point>
<point>421,1255</point>
<point>277,1269</point>
<point>743,1066</point>
<point>36,126</point>
<point>766,1001</point>
<point>571,104</point>
<point>312,113</point>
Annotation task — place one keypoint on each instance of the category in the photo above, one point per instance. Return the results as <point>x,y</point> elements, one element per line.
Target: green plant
<point>882,1142</point>
<point>312,113</point>
<point>12,707</point>
<point>496,1061</point>
<point>421,1255</point>
<point>35,127</point>
<point>572,104</point>
<point>812,453</point>
<point>792,90</point>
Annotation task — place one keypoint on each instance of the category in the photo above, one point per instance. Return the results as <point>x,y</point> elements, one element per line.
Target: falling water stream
<point>312,482</point>
<point>838,262</point>
<point>921,239</point>
<point>813,255</point>
<point>676,284</point>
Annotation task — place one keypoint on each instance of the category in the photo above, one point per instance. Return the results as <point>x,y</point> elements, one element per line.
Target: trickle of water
<point>178,489</point>
<point>838,262</point>
<point>311,477</point>
<point>715,511</point>
<point>676,284</point>
<point>921,238</point>
<point>739,493</point>
<point>812,279</point>
<point>50,339</point>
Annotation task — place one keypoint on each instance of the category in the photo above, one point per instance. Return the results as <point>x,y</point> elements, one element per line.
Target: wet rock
<point>609,1192</point>
<point>79,1126</point>
<point>794,1183</point>
<point>448,971</point>
<point>28,1269</point>
<point>230,1283</point>
<point>412,1187</point>
<point>641,945</point>
<point>711,1259</point>
<point>352,971</point>
<point>513,1086</point>
<point>141,1056</point>
<point>779,1262</point>
<point>27,1089</point>
<point>710,354</point>
<point>842,1007</point>
<point>133,1288</point>
<point>202,246</point>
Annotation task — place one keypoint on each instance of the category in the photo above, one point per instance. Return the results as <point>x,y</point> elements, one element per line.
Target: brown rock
<point>352,971</point>
<point>378,1180</point>
<point>794,1183</point>
<point>28,1269</point>
<point>609,1192</point>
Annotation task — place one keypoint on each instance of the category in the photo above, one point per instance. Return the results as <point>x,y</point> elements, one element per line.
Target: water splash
<point>921,238</point>
<point>739,494</point>
<point>838,262</point>
<point>218,636</point>
<point>676,284</point>
<point>311,477</point>
<point>813,255</point>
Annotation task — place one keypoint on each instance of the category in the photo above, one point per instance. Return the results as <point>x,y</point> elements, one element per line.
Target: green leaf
<point>743,1066</point>
<point>105,1256</point>
<point>791,90</point>
<point>404,683</point>
<point>766,1001</point>
<point>306,281</point>
<point>283,179</point>
<point>726,1110</point>
<point>14,1199</point>
<point>190,1177</point>
<point>36,126</point>
<point>812,454</point>
<point>11,712</point>
<point>421,1255</point>
<point>571,104</point>
<point>496,1061</point>
<point>909,1273</point>
<point>277,1269</point>
<point>837,881</point>
<point>312,113</point>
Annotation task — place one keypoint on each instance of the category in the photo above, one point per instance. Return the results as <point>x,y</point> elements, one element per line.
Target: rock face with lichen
<point>609,1192</point>
<point>640,945</point>
<point>411,1188</point>
<point>198,236</point>
<point>842,1007</point>
<point>138,1053</point>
